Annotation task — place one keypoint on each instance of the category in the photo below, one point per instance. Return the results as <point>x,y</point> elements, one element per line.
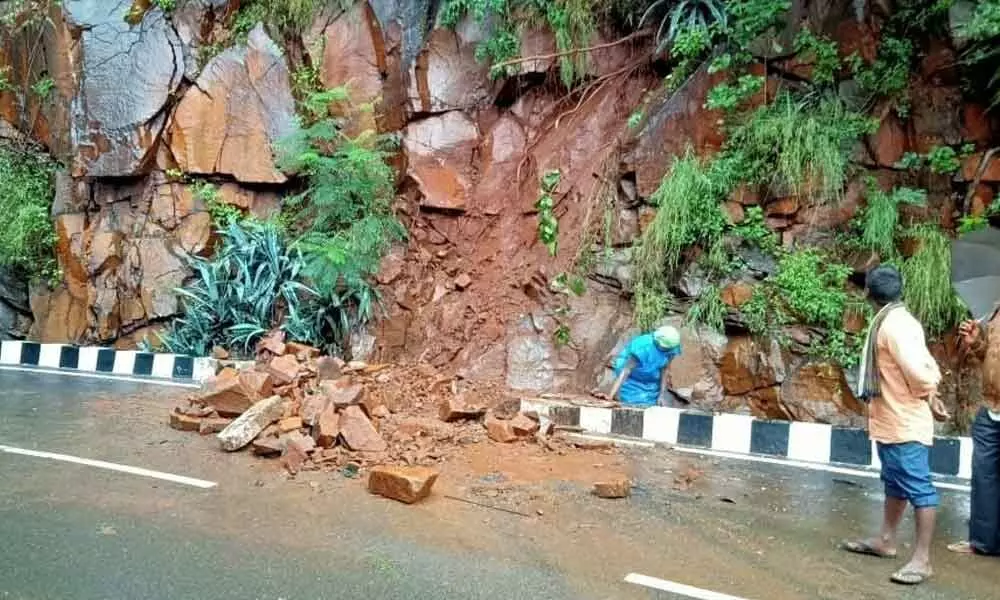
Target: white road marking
<point>677,588</point>
<point>615,440</point>
<point>100,464</point>
<point>91,375</point>
<point>813,466</point>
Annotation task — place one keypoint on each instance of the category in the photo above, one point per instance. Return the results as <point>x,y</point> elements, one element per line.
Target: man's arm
<point>626,371</point>
<point>907,345</point>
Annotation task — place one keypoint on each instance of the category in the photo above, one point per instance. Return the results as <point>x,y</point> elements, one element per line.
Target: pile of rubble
<point>317,412</point>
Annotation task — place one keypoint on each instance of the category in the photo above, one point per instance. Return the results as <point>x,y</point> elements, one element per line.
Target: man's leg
<point>892,515</point>
<point>892,510</point>
<point>914,464</point>
<point>984,521</point>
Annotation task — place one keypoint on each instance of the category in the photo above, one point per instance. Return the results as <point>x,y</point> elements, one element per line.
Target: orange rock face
<point>231,120</point>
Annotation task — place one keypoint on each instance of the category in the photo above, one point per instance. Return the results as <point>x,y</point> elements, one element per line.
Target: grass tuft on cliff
<point>27,234</point>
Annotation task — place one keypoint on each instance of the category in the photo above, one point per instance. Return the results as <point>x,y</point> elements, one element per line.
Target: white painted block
<point>965,458</point>
<point>595,420</point>
<point>876,461</point>
<point>204,369</point>
<point>660,423</point>
<point>538,406</point>
<point>731,433</point>
<point>10,353</point>
<point>88,359</point>
<point>50,355</point>
<point>124,362</point>
<point>163,365</point>
<point>809,442</point>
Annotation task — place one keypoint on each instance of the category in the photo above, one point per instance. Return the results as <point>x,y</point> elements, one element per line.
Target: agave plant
<point>686,15</point>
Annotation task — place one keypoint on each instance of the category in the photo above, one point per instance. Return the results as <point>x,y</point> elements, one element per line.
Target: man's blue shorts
<point>906,473</point>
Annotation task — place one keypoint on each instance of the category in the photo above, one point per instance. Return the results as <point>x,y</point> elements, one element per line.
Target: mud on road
<point>753,531</point>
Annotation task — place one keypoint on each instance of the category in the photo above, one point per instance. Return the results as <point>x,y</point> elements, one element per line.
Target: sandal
<point>866,549</point>
<point>961,548</point>
<point>909,577</point>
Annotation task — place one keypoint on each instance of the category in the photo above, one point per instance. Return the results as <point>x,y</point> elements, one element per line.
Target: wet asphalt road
<point>71,532</point>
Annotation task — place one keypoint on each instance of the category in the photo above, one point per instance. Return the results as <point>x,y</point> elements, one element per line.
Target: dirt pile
<point>320,413</point>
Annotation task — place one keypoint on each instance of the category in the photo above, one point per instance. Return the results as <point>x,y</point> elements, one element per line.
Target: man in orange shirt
<point>902,424</point>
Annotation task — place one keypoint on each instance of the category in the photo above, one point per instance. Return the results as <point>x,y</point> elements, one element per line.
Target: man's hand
<point>938,409</point>
<point>968,333</point>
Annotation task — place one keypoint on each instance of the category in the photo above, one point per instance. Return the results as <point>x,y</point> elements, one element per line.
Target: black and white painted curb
<point>741,434</point>
<point>106,361</point>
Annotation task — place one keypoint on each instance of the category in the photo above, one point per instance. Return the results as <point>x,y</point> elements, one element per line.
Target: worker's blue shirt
<point>642,388</point>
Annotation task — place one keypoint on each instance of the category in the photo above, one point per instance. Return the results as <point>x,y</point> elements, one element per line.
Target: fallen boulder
<point>615,487</point>
<point>523,425</point>
<point>290,424</point>
<point>327,427</point>
<point>455,408</point>
<point>358,432</point>
<point>341,393</point>
<point>405,484</point>
<point>250,424</point>
<point>267,446</point>
<point>183,422</point>
<point>499,430</point>
<point>284,369</point>
<point>212,425</point>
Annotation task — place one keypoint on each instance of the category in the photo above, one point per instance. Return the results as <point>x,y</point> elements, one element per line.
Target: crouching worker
<point>641,378</point>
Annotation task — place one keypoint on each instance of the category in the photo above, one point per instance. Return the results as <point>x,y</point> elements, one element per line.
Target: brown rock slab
<point>183,422</point>
<point>737,294</point>
<point>783,207</point>
<point>230,121</point>
<point>500,430</point>
<point>613,488</point>
<point>523,425</point>
<point>404,484</point>
<point>251,423</point>
<point>301,351</point>
<point>290,424</point>
<point>440,154</point>
<point>327,427</point>
<point>455,408</point>
<point>992,172</point>
<point>341,393</point>
<point>212,425</point>
<point>267,446</point>
<point>283,369</point>
<point>358,432</point>
<point>329,368</point>
<point>312,407</point>
<point>257,384</point>
<point>228,396</point>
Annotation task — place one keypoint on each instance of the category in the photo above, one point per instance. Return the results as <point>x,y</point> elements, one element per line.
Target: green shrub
<point>754,230</point>
<point>27,236</point>
<point>342,220</point>
<point>927,276</point>
<point>813,288</point>
<point>824,53</point>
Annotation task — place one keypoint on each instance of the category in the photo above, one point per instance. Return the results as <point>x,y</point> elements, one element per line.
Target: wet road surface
<point>72,532</point>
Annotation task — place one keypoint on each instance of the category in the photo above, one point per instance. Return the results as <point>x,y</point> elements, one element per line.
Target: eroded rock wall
<point>471,288</point>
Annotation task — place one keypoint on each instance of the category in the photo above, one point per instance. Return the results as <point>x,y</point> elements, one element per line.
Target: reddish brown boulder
<point>818,392</point>
<point>183,422</point>
<point>258,385</point>
<point>889,143</point>
<point>301,351</point>
<point>405,484</point>
<point>250,424</point>
<point>748,365</point>
<point>227,396</point>
<point>440,153</point>
<point>212,425</point>
<point>501,152</point>
<point>327,428</point>
<point>284,369</point>
<point>312,406</point>
<point>266,446</point>
<point>252,82</point>
<point>455,408</point>
<point>290,424</point>
<point>737,294</point>
<point>499,430</point>
<point>991,173</point>
<point>783,207</point>
<point>522,425</point>
<point>341,393</point>
<point>736,212</point>
<point>273,342</point>
<point>358,432</point>
<point>976,126</point>
<point>613,488</point>
<point>982,198</point>
<point>446,75</point>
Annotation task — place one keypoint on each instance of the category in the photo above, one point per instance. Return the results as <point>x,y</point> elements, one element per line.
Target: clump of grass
<point>801,145</point>
<point>709,309</point>
<point>927,276</point>
<point>880,219</point>
<point>689,212</point>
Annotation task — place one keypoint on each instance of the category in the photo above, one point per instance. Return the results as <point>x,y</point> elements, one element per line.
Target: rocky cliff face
<point>472,289</point>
